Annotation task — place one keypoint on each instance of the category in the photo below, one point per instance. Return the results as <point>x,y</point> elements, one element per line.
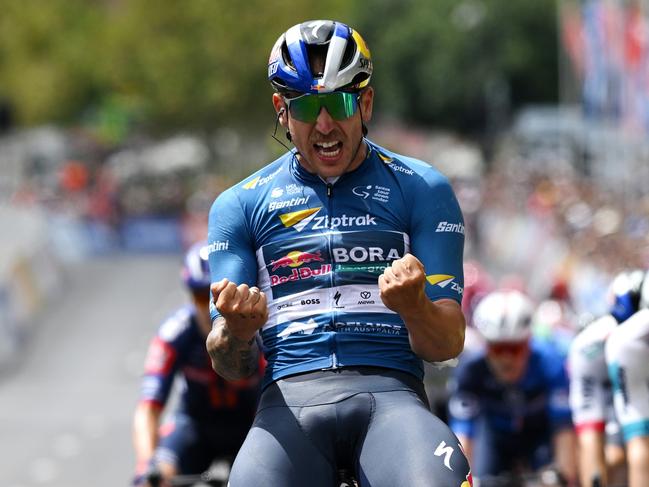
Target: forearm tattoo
<point>232,358</point>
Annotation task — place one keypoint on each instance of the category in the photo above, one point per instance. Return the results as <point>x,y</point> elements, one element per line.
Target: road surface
<point>66,407</point>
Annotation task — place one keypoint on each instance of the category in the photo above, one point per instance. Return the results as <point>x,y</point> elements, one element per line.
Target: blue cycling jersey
<point>539,400</point>
<point>317,248</point>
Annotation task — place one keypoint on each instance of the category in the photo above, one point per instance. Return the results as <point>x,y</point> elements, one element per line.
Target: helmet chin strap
<point>274,134</point>
<point>363,126</point>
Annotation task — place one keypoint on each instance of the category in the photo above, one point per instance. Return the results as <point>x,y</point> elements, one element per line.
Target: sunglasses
<point>340,105</point>
<point>516,348</point>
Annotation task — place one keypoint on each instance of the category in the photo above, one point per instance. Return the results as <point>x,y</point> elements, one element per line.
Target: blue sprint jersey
<point>539,400</point>
<point>317,249</point>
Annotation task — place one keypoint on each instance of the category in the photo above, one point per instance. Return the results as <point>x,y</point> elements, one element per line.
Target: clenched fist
<point>244,308</point>
<point>402,284</point>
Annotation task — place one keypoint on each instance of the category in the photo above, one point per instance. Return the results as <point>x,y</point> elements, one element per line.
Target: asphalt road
<point>66,407</point>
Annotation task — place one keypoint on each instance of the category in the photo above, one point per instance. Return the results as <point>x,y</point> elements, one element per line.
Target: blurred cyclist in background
<point>601,445</point>
<point>509,402</point>
<point>212,415</point>
<point>609,373</point>
<point>343,261</point>
<point>555,319</point>
<point>627,360</point>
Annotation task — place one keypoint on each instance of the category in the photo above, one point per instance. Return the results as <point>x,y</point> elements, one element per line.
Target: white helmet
<point>644,292</point>
<point>504,316</point>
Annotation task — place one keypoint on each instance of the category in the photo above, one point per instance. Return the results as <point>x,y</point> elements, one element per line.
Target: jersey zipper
<point>334,357</point>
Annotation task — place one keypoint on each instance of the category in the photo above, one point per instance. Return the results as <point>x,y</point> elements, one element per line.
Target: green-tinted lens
<point>339,105</point>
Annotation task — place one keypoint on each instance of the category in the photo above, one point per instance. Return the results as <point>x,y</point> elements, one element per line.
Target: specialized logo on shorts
<point>299,219</point>
<point>295,258</point>
<point>443,280</point>
<point>446,451</point>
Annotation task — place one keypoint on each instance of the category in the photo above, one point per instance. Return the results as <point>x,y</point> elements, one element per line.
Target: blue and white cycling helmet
<point>348,63</point>
<point>196,271</point>
<point>630,293</point>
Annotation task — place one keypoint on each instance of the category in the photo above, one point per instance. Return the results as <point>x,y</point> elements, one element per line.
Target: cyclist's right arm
<point>238,308</point>
<point>231,343</point>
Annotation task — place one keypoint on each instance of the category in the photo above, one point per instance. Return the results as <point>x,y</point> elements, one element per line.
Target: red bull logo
<point>296,258</point>
<point>298,274</point>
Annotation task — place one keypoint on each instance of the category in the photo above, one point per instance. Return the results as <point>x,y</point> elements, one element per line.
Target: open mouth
<point>328,149</point>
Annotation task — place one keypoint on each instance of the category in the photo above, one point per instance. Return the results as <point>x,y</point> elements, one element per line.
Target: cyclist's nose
<point>324,123</point>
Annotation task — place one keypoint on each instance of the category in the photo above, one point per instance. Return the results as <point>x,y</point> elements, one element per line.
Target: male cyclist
<point>343,261</point>
<point>509,402</point>
<point>627,360</point>
<point>212,415</point>
<point>598,422</point>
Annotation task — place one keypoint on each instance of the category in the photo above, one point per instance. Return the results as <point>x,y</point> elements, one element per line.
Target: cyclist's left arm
<point>437,324</point>
<point>435,329</point>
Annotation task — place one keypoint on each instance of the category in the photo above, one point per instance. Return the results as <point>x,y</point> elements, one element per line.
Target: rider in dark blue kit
<point>509,402</point>
<point>342,262</point>
<point>212,415</point>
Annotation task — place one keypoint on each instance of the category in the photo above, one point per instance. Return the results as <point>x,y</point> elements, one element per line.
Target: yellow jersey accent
<point>440,279</point>
<point>251,184</point>
<point>385,158</point>
<point>295,217</point>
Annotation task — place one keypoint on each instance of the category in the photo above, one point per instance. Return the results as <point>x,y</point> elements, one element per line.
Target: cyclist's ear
<point>280,109</point>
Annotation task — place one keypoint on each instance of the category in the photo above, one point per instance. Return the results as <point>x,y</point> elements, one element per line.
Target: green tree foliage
<point>201,64</point>
<point>446,62</point>
<point>46,52</point>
